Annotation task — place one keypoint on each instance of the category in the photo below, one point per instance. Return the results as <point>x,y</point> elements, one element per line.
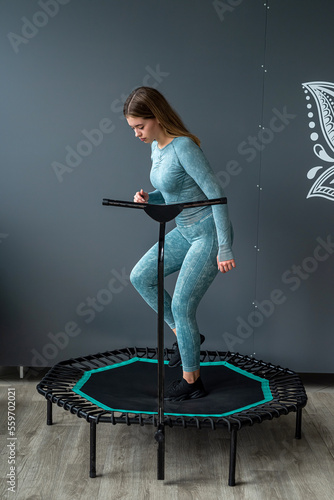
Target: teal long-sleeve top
<point>181,173</point>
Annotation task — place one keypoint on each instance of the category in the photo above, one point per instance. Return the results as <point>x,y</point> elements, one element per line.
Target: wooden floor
<point>52,461</point>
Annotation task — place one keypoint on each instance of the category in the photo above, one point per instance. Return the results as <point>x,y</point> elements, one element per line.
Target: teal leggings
<point>192,250</point>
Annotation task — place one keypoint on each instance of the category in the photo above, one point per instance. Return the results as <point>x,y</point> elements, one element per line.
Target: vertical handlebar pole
<point>162,214</point>
<point>161,365</point>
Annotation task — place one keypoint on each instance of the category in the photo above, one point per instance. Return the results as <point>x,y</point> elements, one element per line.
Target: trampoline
<point>119,386</point>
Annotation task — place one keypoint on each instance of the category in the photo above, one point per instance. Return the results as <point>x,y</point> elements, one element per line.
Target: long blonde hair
<point>147,102</point>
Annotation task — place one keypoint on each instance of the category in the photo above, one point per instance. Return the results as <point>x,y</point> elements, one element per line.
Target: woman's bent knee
<point>133,277</point>
<point>141,278</point>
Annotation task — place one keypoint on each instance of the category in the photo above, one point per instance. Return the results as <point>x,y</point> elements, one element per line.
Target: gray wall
<point>234,71</point>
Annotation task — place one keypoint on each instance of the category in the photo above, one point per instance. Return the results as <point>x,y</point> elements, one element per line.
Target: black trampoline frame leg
<point>298,433</point>
<point>233,456</point>
<point>92,457</point>
<point>48,412</point>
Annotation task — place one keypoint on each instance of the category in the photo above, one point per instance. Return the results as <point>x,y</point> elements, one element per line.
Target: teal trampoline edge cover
<point>264,387</point>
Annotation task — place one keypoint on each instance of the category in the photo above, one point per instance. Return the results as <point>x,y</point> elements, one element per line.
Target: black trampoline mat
<point>132,387</point>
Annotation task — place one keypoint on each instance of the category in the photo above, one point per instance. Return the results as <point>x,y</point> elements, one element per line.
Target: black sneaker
<point>179,390</point>
<point>175,359</point>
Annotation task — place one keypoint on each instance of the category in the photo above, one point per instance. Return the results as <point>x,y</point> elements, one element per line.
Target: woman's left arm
<point>197,166</point>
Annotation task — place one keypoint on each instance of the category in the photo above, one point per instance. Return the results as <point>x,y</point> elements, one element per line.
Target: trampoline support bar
<point>92,461</point>
<point>233,456</point>
<point>48,412</point>
<point>298,434</point>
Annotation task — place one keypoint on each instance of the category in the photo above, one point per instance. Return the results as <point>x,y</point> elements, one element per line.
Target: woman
<point>198,247</point>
